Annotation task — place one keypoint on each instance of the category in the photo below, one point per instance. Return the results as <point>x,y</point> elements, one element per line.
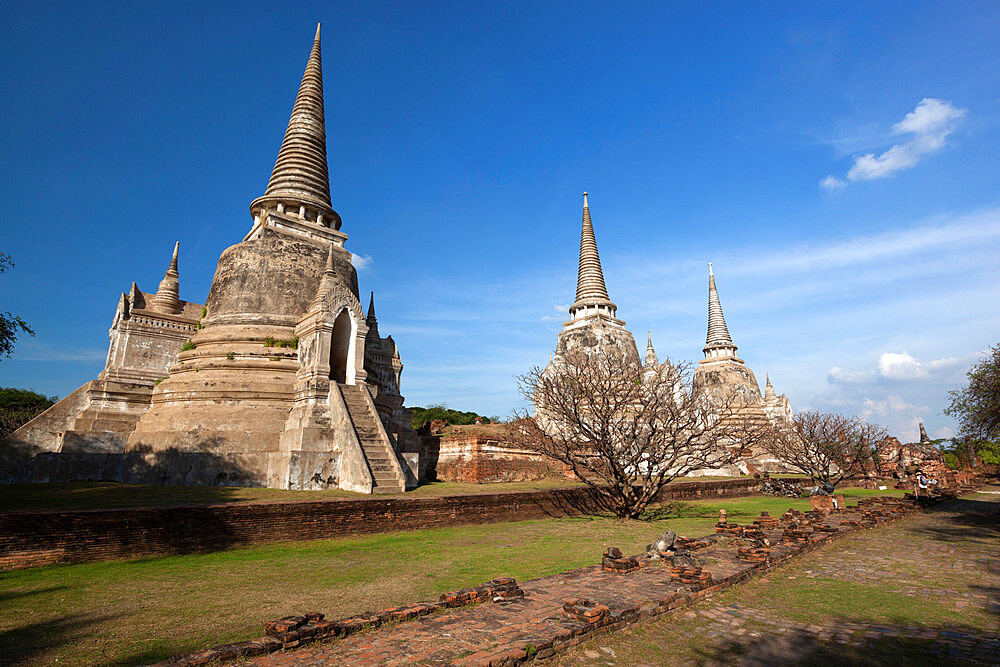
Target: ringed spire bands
<point>591,292</point>
<point>718,343</point>
<point>300,181</point>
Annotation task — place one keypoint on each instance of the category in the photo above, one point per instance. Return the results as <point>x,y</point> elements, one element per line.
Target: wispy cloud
<point>832,183</point>
<point>361,262</point>
<point>930,124</point>
<point>841,323</point>
<point>902,366</point>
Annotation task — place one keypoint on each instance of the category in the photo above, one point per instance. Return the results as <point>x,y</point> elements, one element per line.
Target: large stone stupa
<point>284,382</point>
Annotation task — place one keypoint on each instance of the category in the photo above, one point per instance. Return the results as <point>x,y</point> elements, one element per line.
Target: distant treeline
<point>19,406</point>
<point>445,414</point>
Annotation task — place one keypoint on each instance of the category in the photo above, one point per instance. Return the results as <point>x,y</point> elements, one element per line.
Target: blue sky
<point>837,162</point>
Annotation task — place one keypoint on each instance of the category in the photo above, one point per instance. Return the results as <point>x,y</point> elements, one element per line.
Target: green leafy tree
<point>19,406</point>
<point>977,405</point>
<point>10,325</point>
<point>963,452</point>
<point>444,413</point>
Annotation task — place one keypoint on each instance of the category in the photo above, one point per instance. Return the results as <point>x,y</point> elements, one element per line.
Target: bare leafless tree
<point>628,430</point>
<point>828,447</point>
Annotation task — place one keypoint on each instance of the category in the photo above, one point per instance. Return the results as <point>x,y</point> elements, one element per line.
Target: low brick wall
<point>483,460</point>
<point>41,538</point>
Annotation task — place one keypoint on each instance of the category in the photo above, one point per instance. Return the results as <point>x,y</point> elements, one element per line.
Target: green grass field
<point>898,575</point>
<point>140,611</point>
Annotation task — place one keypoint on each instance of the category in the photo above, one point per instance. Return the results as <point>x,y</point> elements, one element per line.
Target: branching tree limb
<point>628,430</point>
<point>10,325</point>
<point>828,447</point>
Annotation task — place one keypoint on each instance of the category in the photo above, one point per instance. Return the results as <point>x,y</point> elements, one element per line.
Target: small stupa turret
<point>924,440</point>
<point>370,318</point>
<point>329,278</point>
<point>168,298</point>
<point>769,394</point>
<point>651,359</point>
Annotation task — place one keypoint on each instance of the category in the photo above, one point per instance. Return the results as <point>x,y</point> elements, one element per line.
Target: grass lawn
<point>141,611</point>
<point>907,575</point>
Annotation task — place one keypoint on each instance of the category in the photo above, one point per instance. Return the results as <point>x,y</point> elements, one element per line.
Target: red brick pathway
<point>495,633</point>
<point>949,556</point>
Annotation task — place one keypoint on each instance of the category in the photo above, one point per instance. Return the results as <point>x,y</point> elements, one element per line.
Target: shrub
<point>19,406</point>
<point>188,345</point>
<point>442,412</point>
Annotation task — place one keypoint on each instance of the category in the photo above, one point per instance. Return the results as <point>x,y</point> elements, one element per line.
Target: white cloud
<point>931,237</point>
<point>930,123</point>
<point>556,318</point>
<point>837,374</point>
<point>892,404</point>
<point>901,366</point>
<point>361,262</point>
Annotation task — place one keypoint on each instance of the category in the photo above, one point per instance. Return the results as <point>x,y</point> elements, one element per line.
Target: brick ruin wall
<point>483,459</point>
<point>28,539</point>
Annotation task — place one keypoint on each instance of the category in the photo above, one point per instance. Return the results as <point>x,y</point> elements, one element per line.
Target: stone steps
<point>377,451</point>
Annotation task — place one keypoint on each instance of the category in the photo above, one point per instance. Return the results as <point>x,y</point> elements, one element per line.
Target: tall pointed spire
<point>300,181</point>
<point>370,318</point>
<point>651,359</point>
<point>718,342</point>
<point>167,298</point>
<point>768,388</point>
<point>591,291</point>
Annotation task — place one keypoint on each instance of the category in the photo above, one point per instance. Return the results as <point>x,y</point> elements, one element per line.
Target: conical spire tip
<point>585,205</point>
<point>329,261</point>
<point>318,25</point>
<point>173,258</point>
<point>710,269</point>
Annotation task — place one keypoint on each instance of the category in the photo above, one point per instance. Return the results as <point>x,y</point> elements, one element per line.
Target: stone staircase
<point>377,449</point>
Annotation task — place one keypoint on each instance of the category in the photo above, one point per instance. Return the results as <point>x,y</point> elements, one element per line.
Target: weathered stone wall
<point>272,275</point>
<point>481,459</point>
<point>40,538</point>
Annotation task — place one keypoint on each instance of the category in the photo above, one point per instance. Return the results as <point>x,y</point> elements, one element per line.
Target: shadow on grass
<point>31,642</point>
<point>6,596</point>
<point>804,648</point>
<point>966,519</point>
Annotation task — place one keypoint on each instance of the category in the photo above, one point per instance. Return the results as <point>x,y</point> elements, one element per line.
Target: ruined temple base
<point>478,454</point>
